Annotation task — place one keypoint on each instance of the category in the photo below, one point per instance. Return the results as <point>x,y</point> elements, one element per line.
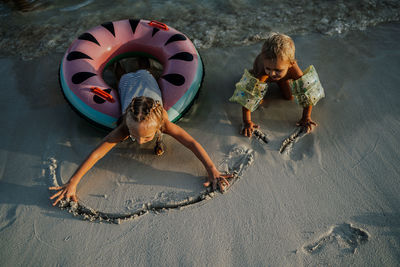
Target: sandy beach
<point>330,199</point>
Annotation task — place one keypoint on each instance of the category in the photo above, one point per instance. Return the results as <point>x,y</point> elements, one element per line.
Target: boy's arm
<point>69,189</point>
<point>249,126</point>
<point>293,73</point>
<point>305,121</point>
<point>214,176</point>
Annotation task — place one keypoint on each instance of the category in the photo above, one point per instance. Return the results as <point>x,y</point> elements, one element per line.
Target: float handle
<point>102,94</point>
<point>158,25</point>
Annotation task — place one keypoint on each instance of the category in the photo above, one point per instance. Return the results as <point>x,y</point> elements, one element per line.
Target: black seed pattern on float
<point>110,27</point>
<point>74,55</point>
<point>175,38</point>
<point>182,56</point>
<point>134,23</point>
<point>80,77</point>
<point>174,78</point>
<point>100,100</point>
<point>88,37</point>
<point>155,30</point>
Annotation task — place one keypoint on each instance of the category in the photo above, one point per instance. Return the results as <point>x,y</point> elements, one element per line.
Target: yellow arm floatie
<point>249,91</point>
<point>307,90</point>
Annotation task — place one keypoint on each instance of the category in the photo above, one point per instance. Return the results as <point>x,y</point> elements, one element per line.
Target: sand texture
<point>328,198</point>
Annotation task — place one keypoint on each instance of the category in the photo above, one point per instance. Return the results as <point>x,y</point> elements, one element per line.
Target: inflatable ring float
<point>82,67</point>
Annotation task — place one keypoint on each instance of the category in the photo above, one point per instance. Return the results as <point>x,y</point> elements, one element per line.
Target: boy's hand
<point>248,128</point>
<point>67,191</point>
<point>307,123</point>
<point>216,179</point>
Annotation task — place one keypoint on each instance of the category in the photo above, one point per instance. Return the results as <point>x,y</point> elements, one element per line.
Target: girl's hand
<point>215,178</point>
<point>307,123</point>
<point>249,128</point>
<point>67,191</point>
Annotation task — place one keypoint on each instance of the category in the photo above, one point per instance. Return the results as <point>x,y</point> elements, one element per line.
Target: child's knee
<point>288,97</point>
<point>287,94</point>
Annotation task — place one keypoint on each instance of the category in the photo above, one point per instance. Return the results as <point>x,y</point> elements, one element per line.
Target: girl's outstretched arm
<point>68,191</point>
<point>214,176</point>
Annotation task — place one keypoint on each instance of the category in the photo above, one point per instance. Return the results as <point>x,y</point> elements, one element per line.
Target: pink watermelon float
<point>83,64</point>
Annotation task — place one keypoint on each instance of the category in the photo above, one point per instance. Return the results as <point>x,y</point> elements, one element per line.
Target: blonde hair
<point>145,109</point>
<point>280,46</point>
<point>277,45</point>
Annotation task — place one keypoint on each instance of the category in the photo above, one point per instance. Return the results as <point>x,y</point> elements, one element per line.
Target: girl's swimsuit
<point>135,84</point>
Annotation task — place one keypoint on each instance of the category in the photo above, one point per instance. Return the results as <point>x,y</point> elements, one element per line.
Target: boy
<point>277,63</point>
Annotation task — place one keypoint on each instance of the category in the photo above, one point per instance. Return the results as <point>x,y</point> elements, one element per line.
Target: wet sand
<point>331,198</point>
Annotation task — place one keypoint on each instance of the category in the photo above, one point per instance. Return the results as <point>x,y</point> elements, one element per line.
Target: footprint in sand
<point>345,237</point>
<point>235,162</point>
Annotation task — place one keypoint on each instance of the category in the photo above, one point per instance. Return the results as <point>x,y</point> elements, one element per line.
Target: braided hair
<point>143,109</point>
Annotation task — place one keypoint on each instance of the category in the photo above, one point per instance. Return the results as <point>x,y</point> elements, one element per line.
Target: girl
<point>143,119</point>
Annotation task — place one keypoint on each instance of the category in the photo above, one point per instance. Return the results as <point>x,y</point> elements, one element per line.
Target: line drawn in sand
<point>235,162</point>
<point>261,136</point>
<point>288,143</point>
<point>346,236</point>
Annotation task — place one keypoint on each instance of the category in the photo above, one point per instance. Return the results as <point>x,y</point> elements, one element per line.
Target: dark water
<point>209,23</point>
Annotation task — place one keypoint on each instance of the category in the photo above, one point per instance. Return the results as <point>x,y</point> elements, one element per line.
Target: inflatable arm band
<point>307,90</point>
<point>249,91</point>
